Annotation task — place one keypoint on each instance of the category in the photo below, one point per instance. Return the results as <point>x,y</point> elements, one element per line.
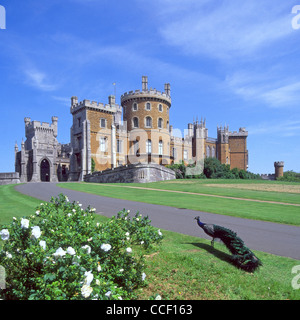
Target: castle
<point>101,139</point>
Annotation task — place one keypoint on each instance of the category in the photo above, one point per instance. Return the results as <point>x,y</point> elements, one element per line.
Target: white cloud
<point>228,29</point>
<point>38,80</point>
<point>281,128</point>
<point>272,89</point>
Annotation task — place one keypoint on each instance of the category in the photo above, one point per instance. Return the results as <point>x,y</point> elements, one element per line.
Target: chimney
<point>145,83</point>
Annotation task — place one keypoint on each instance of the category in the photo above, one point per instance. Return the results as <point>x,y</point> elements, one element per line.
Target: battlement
<point>279,164</point>
<point>111,107</point>
<point>152,94</point>
<point>241,133</point>
<point>33,126</point>
<point>146,93</point>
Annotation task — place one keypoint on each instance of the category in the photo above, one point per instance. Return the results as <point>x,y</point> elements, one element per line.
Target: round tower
<point>147,115</point>
<point>278,169</point>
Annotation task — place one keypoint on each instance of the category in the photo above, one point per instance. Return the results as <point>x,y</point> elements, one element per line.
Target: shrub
<point>61,252</point>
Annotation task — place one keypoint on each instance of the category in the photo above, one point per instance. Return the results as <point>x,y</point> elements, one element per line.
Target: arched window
<point>160,123</point>
<point>207,151</point>
<point>148,106</point>
<point>148,146</point>
<point>148,122</point>
<point>135,122</point>
<point>213,152</point>
<point>134,106</point>
<point>160,147</point>
<point>160,107</point>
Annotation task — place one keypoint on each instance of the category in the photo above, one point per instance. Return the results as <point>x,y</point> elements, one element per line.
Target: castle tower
<point>93,136</point>
<point>200,136</point>
<point>37,159</point>
<point>147,115</point>
<point>223,145</point>
<point>278,169</point>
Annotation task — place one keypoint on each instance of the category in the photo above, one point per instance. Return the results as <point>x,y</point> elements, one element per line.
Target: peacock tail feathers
<point>242,256</point>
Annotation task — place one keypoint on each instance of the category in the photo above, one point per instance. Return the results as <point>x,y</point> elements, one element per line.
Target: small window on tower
<point>148,122</point>
<point>148,106</point>
<point>134,106</point>
<point>160,123</point>
<point>160,108</point>
<point>102,123</point>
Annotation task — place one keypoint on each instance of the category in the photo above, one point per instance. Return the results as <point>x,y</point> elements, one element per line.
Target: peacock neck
<point>200,224</point>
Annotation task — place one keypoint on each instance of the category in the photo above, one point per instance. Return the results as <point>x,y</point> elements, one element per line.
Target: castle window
<point>119,146</point>
<point>148,146</point>
<point>213,152</point>
<point>160,108</point>
<point>174,153</point>
<point>160,123</point>
<point>136,147</point>
<point>103,144</point>
<point>148,106</point>
<point>102,122</point>
<point>135,122</point>
<point>185,155</point>
<point>79,122</point>
<point>160,147</point>
<point>148,122</point>
<point>134,106</point>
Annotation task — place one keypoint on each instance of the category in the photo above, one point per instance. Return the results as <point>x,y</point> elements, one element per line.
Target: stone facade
<point>41,157</point>
<point>144,135</point>
<point>137,173</point>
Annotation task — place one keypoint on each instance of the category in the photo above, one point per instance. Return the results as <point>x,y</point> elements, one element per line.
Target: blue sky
<point>232,62</point>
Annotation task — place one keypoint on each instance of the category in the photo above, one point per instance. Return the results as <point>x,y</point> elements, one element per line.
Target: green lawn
<point>186,267</point>
<point>15,204</point>
<point>274,212</point>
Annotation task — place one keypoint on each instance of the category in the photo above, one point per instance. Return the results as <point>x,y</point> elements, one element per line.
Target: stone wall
<point>137,173</point>
<point>9,178</point>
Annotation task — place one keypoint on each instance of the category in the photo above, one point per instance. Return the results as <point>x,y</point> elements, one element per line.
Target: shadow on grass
<point>217,253</point>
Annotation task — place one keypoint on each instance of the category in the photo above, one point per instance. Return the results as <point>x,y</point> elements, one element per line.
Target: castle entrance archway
<point>45,170</point>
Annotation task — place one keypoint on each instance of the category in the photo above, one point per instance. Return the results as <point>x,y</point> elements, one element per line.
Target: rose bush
<point>61,252</point>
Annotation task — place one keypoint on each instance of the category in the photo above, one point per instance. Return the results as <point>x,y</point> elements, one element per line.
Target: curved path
<point>279,239</point>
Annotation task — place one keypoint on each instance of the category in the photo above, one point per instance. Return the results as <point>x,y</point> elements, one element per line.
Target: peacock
<point>242,256</point>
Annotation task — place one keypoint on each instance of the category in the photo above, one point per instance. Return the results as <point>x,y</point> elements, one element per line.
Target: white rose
<point>88,278</point>
<point>24,223</point>
<point>4,233</point>
<point>143,276</point>
<point>87,248</point>
<point>86,291</point>
<point>42,243</point>
<point>128,250</point>
<point>36,232</point>
<point>105,247</point>
<point>59,252</point>
<point>71,251</point>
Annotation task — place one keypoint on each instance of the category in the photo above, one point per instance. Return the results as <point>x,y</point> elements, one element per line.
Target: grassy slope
<point>186,267</point>
<point>245,209</point>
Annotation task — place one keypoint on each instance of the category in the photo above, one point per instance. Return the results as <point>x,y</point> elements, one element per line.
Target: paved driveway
<point>269,237</point>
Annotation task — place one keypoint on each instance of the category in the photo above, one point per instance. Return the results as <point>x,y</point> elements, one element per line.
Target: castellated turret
<point>278,169</point>
<point>146,113</point>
